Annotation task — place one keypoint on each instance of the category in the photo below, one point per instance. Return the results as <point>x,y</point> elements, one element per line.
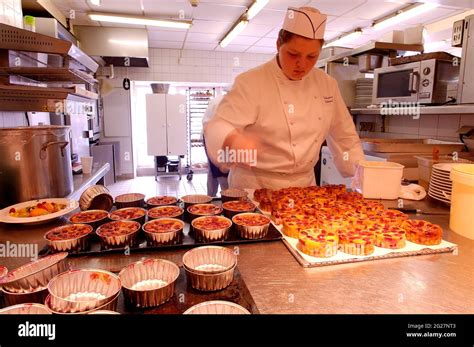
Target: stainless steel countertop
<point>453,109</point>
<point>441,283</point>
<point>83,181</point>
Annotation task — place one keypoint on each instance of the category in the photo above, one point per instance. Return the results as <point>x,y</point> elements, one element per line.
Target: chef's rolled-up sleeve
<point>343,140</point>
<point>237,110</point>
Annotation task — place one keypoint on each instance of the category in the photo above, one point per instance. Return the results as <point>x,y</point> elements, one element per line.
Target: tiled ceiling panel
<point>212,19</point>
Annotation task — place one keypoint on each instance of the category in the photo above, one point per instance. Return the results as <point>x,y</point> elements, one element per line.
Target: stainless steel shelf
<point>453,109</point>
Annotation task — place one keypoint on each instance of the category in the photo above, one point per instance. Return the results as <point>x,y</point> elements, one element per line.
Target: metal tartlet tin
<point>210,282</point>
<point>97,287</point>
<point>195,199</point>
<point>230,213</point>
<point>193,216</point>
<point>150,213</point>
<point>113,216</point>
<point>151,205</point>
<point>10,299</point>
<point>26,309</point>
<point>163,238</point>
<point>96,198</point>
<point>251,231</point>
<point>110,306</point>
<point>150,282</point>
<point>104,312</point>
<point>69,245</point>
<point>93,223</point>
<point>202,235</point>
<point>209,259</point>
<point>216,307</point>
<point>119,241</point>
<point>3,271</point>
<point>32,276</point>
<point>130,200</point>
<point>233,194</point>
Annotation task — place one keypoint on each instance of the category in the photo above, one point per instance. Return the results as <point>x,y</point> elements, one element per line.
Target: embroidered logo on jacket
<point>328,99</point>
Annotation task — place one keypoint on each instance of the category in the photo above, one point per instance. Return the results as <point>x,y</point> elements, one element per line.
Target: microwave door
<point>397,83</point>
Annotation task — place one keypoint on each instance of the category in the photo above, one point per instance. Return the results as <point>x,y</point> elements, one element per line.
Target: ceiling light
<point>344,38</point>
<point>124,19</point>
<point>404,15</point>
<point>236,30</point>
<point>95,2</point>
<point>255,8</point>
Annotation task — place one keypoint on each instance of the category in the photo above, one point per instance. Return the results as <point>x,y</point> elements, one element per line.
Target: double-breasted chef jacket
<point>291,118</point>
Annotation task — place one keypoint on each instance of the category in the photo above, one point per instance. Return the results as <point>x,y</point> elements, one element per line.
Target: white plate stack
<point>441,185</point>
<point>363,92</point>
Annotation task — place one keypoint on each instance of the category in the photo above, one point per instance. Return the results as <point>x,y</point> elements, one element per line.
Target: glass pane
<point>394,84</point>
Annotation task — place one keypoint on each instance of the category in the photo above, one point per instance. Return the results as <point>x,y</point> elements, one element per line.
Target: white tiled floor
<point>171,186</point>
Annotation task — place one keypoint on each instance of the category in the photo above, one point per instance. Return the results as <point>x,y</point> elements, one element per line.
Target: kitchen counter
<point>441,283</point>
<point>453,109</point>
<point>83,181</point>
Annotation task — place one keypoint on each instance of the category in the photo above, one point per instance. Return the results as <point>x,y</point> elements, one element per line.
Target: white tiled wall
<point>441,127</point>
<point>11,13</point>
<point>173,65</point>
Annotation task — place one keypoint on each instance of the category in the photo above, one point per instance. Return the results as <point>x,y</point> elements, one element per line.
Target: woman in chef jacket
<point>269,128</point>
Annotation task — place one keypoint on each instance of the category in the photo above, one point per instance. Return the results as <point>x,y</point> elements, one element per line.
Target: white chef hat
<point>305,21</point>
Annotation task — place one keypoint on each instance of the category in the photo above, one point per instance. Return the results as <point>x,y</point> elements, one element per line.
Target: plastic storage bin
<point>379,180</point>
<point>462,200</point>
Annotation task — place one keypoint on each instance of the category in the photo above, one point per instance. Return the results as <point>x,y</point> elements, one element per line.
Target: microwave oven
<point>430,81</point>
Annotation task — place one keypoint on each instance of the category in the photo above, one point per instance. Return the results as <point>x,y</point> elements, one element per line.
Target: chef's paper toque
<point>305,21</point>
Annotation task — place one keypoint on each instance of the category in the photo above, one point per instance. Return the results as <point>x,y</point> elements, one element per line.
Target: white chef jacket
<point>292,119</point>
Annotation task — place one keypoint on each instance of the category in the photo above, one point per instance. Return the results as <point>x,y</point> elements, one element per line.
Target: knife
<point>418,211</point>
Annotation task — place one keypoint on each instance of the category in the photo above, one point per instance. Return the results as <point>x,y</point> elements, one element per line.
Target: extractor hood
<point>116,46</point>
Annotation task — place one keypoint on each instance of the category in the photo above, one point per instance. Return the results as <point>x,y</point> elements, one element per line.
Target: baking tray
<point>185,296</point>
<point>187,242</point>
<point>410,146</point>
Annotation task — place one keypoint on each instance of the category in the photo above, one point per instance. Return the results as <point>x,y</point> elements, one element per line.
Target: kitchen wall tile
<point>428,125</point>
<point>448,125</point>
<point>466,119</point>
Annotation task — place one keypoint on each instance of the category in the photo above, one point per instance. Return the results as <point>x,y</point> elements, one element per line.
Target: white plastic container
<point>462,200</point>
<point>379,180</point>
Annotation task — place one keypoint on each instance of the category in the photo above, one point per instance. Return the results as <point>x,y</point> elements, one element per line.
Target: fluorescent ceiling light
<point>255,8</point>
<point>404,15</point>
<point>345,38</point>
<point>128,42</point>
<point>124,19</point>
<point>233,33</point>
<point>95,2</point>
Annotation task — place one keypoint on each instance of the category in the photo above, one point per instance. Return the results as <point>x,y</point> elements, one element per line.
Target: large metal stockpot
<point>35,163</point>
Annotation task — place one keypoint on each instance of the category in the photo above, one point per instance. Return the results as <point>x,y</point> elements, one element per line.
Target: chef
<point>268,130</point>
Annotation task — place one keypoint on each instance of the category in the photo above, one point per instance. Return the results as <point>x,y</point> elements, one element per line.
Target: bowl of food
<point>130,200</point>
<point>149,282</point>
<point>118,234</point>
<point>26,309</point>
<point>195,199</point>
<point>3,271</point>
<point>209,268</point>
<point>94,218</point>
<point>211,228</point>
<point>165,212</point>
<point>136,214</point>
<point>35,275</point>
<point>163,231</point>
<point>251,225</point>
<point>217,307</point>
<point>11,299</point>
<point>161,201</point>
<point>69,238</point>
<point>82,290</point>
<point>96,198</point>
<point>233,194</point>
<point>199,210</point>
<point>231,208</point>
